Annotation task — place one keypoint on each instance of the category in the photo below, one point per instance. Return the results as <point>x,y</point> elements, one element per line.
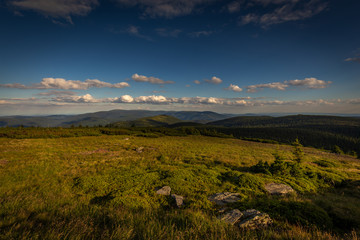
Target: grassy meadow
<point>103,187</point>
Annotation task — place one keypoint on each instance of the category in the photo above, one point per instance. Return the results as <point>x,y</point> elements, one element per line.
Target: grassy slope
<point>101,187</point>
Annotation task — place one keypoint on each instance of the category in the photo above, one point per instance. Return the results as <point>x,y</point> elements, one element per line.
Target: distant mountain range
<point>107,117</point>
<point>154,121</point>
<point>144,118</point>
<point>287,121</point>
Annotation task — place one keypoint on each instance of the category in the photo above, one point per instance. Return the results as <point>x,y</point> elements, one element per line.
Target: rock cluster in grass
<point>177,199</point>
<point>224,198</point>
<point>249,219</point>
<point>278,189</point>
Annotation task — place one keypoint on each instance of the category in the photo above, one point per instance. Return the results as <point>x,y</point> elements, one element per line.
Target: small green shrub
<point>336,149</point>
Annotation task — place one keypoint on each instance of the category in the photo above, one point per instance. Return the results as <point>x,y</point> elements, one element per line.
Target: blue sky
<point>233,56</point>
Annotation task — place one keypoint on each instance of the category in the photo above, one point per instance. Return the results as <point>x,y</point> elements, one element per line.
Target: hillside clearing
<point>101,187</point>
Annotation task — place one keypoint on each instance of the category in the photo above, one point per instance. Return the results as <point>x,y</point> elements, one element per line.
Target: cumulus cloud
<point>87,98</point>
<point>61,83</point>
<point>140,78</point>
<point>197,82</point>
<point>57,8</point>
<point>309,83</point>
<point>353,59</point>
<point>126,99</point>
<point>275,85</point>
<point>312,83</point>
<point>153,99</point>
<point>141,99</point>
<point>165,8</point>
<point>284,11</point>
<point>234,88</point>
<point>214,80</point>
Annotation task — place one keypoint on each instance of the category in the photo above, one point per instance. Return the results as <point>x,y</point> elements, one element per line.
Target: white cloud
<point>87,98</point>
<point>126,99</point>
<point>152,99</point>
<point>312,83</point>
<point>353,59</point>
<point>165,8</point>
<point>120,85</point>
<point>275,85</point>
<point>234,88</point>
<point>88,103</point>
<point>140,78</point>
<point>57,8</point>
<point>197,82</point>
<point>284,11</point>
<point>309,83</point>
<point>214,80</point>
<point>61,83</point>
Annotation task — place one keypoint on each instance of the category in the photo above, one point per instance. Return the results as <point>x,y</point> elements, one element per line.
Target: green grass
<point>101,187</point>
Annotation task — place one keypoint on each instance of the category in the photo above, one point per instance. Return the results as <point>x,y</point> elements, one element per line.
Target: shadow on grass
<point>102,200</point>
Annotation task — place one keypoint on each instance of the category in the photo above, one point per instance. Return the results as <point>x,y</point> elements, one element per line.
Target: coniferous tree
<point>298,152</point>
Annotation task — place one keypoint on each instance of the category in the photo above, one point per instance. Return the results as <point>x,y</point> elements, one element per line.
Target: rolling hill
<point>155,121</point>
<point>105,117</point>
<point>287,121</point>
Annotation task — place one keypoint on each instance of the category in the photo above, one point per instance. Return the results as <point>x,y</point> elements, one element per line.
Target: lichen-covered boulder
<point>164,191</point>
<point>224,198</point>
<point>278,189</point>
<point>249,219</point>
<point>253,219</point>
<point>231,217</point>
<point>179,200</point>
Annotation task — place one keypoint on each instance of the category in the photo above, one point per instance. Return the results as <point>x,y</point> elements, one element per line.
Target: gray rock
<point>140,149</point>
<point>254,220</point>
<point>231,217</point>
<point>250,212</point>
<point>278,189</point>
<point>179,200</point>
<point>250,219</point>
<point>164,191</point>
<point>224,198</point>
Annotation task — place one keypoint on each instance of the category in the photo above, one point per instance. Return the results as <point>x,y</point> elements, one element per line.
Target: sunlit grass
<point>101,187</point>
